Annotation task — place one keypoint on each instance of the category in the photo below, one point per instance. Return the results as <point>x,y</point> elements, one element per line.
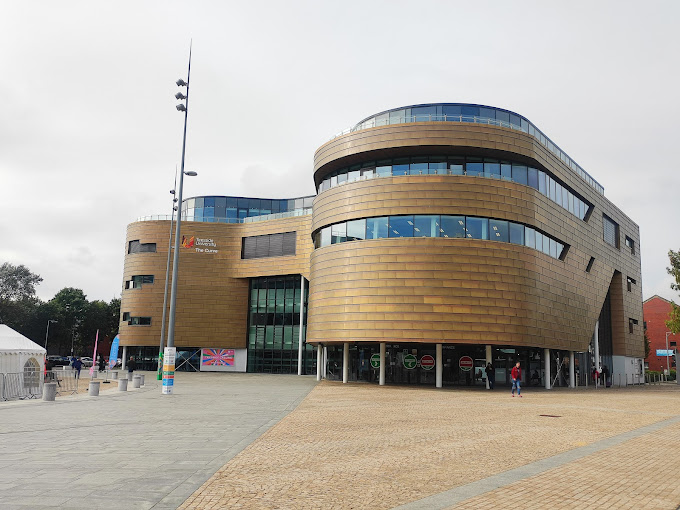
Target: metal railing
<point>21,385</point>
<point>474,119</point>
<point>67,382</point>
<point>250,219</point>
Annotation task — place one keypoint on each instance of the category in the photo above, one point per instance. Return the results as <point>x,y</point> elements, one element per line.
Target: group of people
<point>515,375</point>
<point>601,376</point>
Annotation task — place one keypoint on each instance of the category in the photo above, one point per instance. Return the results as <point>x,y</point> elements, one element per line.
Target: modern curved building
<point>442,237</point>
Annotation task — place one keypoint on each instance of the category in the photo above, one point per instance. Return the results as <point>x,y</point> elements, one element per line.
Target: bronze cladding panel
<point>212,297</point>
<point>486,197</point>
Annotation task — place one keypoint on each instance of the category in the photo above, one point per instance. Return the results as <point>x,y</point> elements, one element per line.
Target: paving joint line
<point>461,493</point>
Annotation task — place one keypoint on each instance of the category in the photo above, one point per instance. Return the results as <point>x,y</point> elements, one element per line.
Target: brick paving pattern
<point>362,446</point>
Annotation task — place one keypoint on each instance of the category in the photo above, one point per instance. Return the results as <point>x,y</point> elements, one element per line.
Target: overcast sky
<point>89,134</point>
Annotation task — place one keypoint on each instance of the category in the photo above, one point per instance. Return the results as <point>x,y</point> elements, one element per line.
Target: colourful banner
<point>113,356</point>
<point>218,357</point>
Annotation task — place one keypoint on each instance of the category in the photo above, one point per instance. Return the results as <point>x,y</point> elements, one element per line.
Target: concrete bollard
<point>49,391</point>
<point>136,381</point>
<point>142,376</point>
<point>129,376</point>
<point>122,384</point>
<point>114,374</point>
<point>93,389</point>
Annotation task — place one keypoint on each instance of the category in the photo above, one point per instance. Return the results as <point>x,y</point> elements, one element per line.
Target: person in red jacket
<point>516,375</point>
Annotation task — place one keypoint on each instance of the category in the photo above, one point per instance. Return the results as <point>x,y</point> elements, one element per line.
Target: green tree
<point>17,294</point>
<point>70,306</point>
<point>673,321</point>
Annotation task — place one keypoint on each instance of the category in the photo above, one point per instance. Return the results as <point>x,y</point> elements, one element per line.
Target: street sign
<point>427,362</point>
<point>375,361</point>
<point>410,361</point>
<point>168,370</point>
<point>466,363</point>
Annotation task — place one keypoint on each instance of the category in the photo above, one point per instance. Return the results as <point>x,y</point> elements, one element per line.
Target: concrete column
<point>596,344</point>
<point>50,391</point>
<point>572,370</point>
<point>142,376</point>
<point>93,389</point>
<point>136,381</point>
<point>438,365</point>
<point>129,376</point>
<point>546,367</point>
<point>345,363</point>
<point>382,363</point>
<point>319,361</point>
<point>489,359</point>
<point>302,314</point>
<point>325,362</point>
<point>114,374</point>
<point>124,358</point>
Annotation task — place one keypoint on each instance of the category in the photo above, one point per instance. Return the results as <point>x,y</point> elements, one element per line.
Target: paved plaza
<point>267,441</point>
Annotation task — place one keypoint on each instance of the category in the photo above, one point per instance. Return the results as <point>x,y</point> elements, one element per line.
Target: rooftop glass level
<point>472,113</point>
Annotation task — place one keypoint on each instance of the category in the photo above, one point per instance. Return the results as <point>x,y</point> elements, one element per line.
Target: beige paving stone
<point>364,446</point>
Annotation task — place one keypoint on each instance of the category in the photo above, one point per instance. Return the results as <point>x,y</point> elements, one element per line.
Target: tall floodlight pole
<point>168,374</point>
<point>167,279</point>
<point>47,334</point>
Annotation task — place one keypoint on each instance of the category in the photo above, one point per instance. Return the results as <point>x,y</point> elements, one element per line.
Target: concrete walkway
<point>136,450</point>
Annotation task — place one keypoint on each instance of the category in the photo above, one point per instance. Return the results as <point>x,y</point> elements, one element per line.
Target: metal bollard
<point>49,391</point>
<point>136,381</point>
<point>93,389</point>
<point>122,384</point>
<point>129,376</point>
<point>114,374</point>
<point>142,376</point>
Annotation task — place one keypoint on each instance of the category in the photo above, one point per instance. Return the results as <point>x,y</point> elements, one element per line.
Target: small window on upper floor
<point>590,264</point>
<point>138,280</point>
<point>631,244</point>
<point>126,316</point>
<point>611,231</point>
<point>137,247</point>
<point>631,323</point>
<point>630,282</point>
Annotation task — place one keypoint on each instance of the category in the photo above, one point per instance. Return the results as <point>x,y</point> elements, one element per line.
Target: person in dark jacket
<point>490,375</point>
<point>131,365</point>
<point>77,365</point>
<point>102,363</point>
<point>516,375</point>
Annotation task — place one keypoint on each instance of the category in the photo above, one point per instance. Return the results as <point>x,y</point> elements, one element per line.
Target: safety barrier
<point>67,383</point>
<point>21,385</point>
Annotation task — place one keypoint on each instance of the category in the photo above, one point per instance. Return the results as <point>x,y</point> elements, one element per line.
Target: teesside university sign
<point>200,245</point>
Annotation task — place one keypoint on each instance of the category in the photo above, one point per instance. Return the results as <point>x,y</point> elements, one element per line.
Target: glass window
<point>469,110</point>
<point>334,183</point>
<point>477,228</point>
<point>516,233</point>
<point>209,202</point>
<point>541,182</point>
<point>376,228</point>
<point>487,113</point>
<point>474,167</point>
<point>384,171</point>
<point>553,248</point>
<point>338,233</point>
<point>199,202</point>
<point>546,245</point>
<point>401,226</point>
<point>397,117</point>
<point>426,226</point>
<point>190,203</point>
<point>519,174</point>
<point>231,212</point>
<point>423,113</point>
<point>502,116</point>
<point>452,111</point>
<point>326,236</point>
<point>382,119</point>
<point>492,168</point>
<point>551,190</point>
<point>356,230</point>
<point>418,169</point>
<point>498,230</point>
<point>437,165</point>
<point>571,202</point>
<point>367,173</point>
<point>532,178</point>
<point>529,237</point>
<point>341,178</point>
<point>506,170</point>
<point>400,166</point>
<point>452,226</point>
<point>514,120</point>
<point>457,166</point>
<point>539,241</point>
<point>565,198</point>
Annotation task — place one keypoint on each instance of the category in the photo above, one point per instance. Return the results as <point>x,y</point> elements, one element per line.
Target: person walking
<point>77,365</point>
<point>102,363</point>
<point>131,365</point>
<point>516,375</point>
<point>490,375</point>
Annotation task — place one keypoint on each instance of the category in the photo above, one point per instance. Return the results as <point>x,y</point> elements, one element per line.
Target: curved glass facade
<point>463,165</point>
<point>474,113</point>
<point>435,225</point>
<point>221,209</point>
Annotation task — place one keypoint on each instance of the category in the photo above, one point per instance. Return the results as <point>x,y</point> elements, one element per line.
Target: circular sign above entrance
<point>410,361</point>
<point>466,363</point>
<point>427,362</point>
<point>375,361</point>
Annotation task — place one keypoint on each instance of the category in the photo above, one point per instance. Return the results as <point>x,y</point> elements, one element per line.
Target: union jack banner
<point>218,357</point>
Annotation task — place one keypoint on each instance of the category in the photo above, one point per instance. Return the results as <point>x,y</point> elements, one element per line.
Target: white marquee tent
<point>18,353</point>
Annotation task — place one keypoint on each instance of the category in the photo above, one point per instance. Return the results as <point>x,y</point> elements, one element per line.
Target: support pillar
<point>596,345</point>
<point>325,362</point>
<point>438,365</point>
<point>345,363</point>
<point>124,358</point>
<point>382,364</point>
<point>302,315</point>
<point>546,367</point>
<point>489,359</point>
<point>572,370</point>
<point>319,361</point>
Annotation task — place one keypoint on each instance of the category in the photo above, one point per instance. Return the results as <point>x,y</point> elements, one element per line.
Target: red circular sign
<point>427,362</point>
<point>466,363</point>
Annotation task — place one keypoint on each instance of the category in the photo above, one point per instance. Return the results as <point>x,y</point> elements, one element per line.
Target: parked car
<point>56,361</point>
<point>87,361</point>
